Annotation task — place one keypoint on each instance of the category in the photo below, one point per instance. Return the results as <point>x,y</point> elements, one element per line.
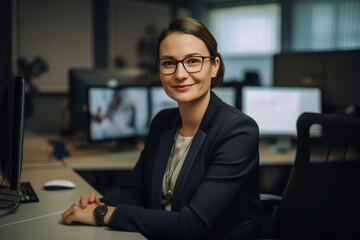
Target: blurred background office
<point>62,47</point>
<point>43,40</point>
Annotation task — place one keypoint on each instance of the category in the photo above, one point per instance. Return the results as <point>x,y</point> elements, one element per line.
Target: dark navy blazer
<point>216,194</point>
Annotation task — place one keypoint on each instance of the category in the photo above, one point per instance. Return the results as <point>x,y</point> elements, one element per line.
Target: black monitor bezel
<point>14,90</point>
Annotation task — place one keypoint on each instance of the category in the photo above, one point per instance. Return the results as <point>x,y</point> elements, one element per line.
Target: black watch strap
<point>99,213</point>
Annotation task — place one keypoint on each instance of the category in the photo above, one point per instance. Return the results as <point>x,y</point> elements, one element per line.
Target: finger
<point>83,200</point>
<point>68,213</point>
<point>92,197</point>
<point>67,219</point>
<point>97,201</point>
<point>70,219</point>
<point>79,215</point>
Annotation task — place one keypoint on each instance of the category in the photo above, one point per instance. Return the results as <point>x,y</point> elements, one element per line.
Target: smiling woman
<point>189,82</point>
<point>197,177</point>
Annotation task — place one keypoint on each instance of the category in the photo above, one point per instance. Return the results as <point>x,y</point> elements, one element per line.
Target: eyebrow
<point>187,55</point>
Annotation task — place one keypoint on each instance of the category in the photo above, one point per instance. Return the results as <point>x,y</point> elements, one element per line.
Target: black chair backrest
<point>322,197</point>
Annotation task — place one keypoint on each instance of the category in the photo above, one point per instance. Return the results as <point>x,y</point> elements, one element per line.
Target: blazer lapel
<point>164,149</point>
<point>162,156</point>
<point>189,160</point>
<point>209,116</point>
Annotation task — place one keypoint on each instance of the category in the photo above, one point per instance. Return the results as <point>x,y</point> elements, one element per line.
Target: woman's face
<point>182,86</point>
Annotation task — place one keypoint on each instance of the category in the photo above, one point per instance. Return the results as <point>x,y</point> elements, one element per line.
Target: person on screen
<point>118,120</point>
<point>197,176</point>
<point>121,112</point>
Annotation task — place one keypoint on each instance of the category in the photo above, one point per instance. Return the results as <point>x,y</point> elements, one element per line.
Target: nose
<point>181,73</point>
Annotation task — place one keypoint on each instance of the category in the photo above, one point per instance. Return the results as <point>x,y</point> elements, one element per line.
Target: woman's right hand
<point>84,201</point>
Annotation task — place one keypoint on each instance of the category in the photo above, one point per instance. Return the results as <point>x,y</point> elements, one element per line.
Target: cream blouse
<point>180,149</point>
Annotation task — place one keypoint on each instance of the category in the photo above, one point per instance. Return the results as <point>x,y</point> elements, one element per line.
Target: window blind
<point>246,29</point>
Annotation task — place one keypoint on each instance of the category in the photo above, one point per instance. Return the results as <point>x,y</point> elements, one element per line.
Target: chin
<point>189,98</point>
<point>182,99</point>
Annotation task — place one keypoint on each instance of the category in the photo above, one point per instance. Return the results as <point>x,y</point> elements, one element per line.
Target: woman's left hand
<point>81,215</point>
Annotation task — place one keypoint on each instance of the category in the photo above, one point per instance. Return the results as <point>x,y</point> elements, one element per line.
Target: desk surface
<point>38,151</point>
<point>51,202</point>
<point>52,228</point>
<point>124,160</point>
<point>42,220</point>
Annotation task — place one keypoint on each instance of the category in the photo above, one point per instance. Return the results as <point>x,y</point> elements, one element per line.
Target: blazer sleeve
<point>232,160</point>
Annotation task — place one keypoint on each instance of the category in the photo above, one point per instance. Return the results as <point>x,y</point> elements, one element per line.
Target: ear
<point>215,67</point>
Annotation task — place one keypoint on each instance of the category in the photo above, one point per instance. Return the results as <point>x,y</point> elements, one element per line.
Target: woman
<point>197,177</point>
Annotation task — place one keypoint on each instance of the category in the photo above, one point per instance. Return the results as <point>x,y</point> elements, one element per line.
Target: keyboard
<point>27,193</point>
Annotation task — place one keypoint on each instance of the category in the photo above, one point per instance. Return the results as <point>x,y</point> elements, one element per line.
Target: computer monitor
<point>337,73</point>
<point>276,109</point>
<point>227,93</point>
<point>81,79</point>
<point>159,100</point>
<point>12,96</point>
<point>117,113</point>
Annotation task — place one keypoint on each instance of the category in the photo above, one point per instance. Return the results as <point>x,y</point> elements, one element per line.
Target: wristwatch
<point>99,213</point>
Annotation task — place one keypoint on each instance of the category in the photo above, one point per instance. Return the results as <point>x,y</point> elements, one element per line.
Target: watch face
<point>100,210</point>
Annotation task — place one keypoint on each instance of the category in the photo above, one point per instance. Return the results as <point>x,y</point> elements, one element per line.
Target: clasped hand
<point>82,211</point>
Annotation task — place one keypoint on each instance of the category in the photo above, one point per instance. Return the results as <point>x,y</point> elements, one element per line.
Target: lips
<point>183,87</point>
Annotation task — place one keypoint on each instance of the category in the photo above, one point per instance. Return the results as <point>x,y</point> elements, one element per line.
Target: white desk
<point>42,220</point>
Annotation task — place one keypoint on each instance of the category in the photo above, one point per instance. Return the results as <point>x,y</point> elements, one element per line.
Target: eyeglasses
<point>193,64</point>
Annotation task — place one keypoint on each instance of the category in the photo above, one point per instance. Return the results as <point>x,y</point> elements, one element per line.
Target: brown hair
<point>199,30</point>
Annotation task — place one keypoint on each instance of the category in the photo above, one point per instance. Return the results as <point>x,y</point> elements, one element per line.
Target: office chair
<point>322,197</point>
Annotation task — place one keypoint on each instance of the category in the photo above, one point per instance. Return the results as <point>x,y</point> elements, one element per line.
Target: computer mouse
<point>59,184</point>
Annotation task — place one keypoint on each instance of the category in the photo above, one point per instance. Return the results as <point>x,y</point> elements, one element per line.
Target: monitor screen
<point>81,79</point>
<point>117,113</point>
<point>12,96</point>
<point>159,100</point>
<point>227,94</point>
<point>276,109</point>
